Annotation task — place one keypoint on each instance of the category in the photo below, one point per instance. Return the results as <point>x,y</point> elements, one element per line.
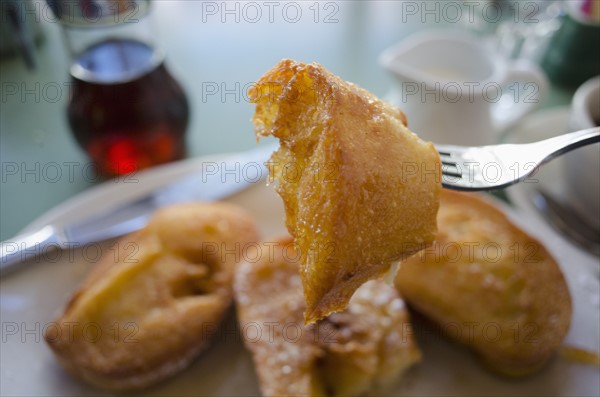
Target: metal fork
<point>498,166</point>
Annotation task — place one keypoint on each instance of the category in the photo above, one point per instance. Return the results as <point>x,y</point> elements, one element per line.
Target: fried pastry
<point>367,346</point>
<point>491,286</point>
<point>138,318</point>
<point>360,190</point>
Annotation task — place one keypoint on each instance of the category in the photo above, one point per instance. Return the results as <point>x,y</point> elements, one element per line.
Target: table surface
<point>207,46</point>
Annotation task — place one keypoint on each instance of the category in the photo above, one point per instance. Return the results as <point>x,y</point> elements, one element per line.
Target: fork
<point>498,166</point>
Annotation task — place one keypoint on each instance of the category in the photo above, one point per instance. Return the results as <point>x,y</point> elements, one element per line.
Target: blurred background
<point>215,50</point>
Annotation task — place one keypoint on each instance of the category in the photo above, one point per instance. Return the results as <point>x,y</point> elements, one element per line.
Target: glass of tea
<point>125,110</point>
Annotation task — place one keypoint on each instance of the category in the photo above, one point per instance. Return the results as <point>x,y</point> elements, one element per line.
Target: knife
<point>567,221</point>
<point>216,182</point>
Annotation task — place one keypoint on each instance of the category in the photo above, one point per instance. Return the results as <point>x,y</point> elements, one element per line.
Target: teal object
<point>574,53</point>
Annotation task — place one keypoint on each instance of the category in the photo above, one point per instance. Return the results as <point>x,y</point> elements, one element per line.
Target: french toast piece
<point>364,348</point>
<point>360,190</point>
<point>490,285</point>
<point>138,318</point>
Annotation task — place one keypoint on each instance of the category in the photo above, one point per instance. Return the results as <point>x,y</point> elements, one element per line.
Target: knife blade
<point>567,221</point>
<point>214,182</point>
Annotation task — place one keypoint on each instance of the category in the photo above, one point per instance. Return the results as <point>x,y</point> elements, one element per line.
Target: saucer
<point>551,177</point>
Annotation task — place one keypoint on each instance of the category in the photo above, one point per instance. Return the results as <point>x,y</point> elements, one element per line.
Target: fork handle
<point>567,142</point>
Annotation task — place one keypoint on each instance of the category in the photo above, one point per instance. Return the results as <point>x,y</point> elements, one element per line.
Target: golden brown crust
<point>360,190</point>
<point>138,318</point>
<point>491,285</point>
<point>365,347</point>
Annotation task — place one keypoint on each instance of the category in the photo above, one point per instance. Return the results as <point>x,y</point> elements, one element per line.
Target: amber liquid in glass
<point>126,111</point>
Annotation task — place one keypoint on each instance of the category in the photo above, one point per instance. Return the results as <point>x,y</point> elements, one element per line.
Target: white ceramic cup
<point>455,89</point>
<point>582,166</point>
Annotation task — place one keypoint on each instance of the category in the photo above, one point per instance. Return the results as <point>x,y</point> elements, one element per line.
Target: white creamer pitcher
<point>455,89</point>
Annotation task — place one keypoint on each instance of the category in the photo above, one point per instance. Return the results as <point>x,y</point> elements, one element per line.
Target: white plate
<point>538,126</point>
<point>30,299</point>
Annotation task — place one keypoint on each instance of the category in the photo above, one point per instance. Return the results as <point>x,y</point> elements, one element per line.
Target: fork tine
<point>453,172</point>
<point>451,163</point>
